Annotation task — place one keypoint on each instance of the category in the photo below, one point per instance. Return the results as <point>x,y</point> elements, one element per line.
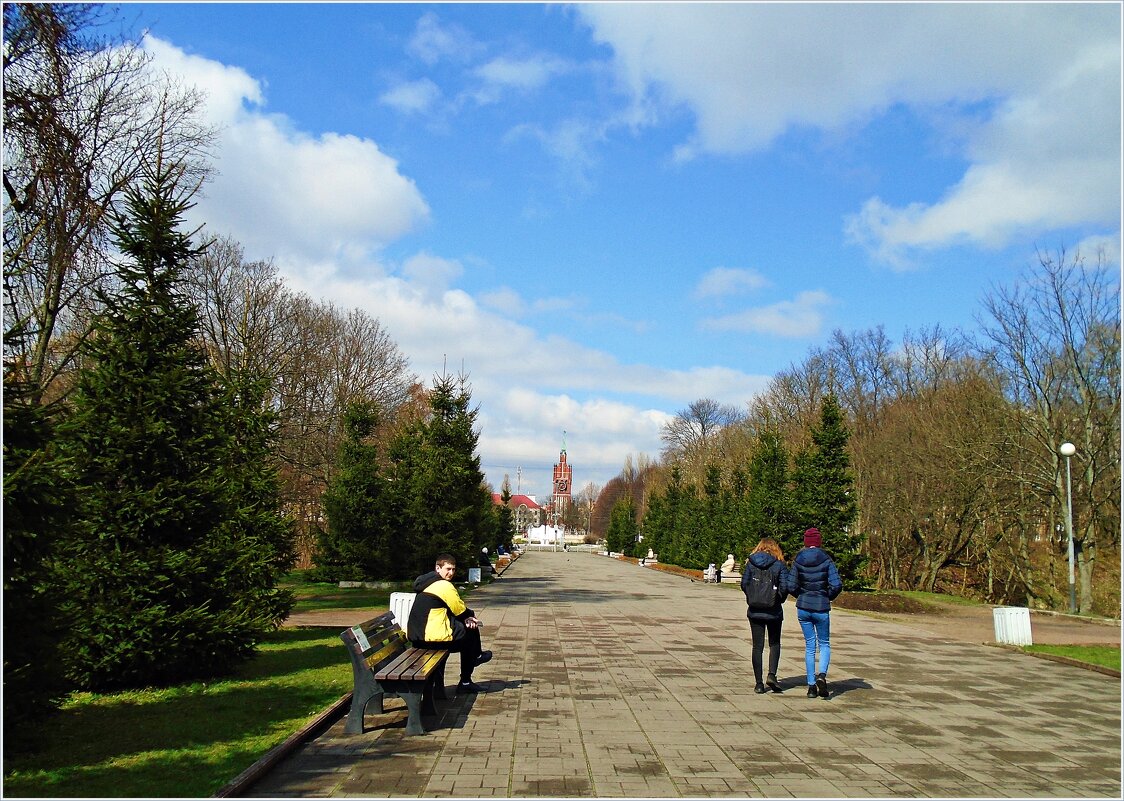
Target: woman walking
<point>814,580</point>
<point>765,584</point>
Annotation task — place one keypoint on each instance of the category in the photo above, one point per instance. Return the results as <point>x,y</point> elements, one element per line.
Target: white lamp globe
<point>1067,449</point>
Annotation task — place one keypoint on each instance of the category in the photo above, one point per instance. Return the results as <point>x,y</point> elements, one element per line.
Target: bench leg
<point>359,700</point>
<point>413,701</point>
<point>439,682</point>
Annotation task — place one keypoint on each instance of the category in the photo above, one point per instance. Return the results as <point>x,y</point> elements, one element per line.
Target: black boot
<point>771,683</point>
<point>821,684</point>
<point>812,692</point>
<point>759,688</point>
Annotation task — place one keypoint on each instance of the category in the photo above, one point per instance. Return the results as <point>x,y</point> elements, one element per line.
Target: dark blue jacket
<point>814,580</point>
<point>767,561</point>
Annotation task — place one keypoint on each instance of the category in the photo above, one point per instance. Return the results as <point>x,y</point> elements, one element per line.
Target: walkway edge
<point>240,783</point>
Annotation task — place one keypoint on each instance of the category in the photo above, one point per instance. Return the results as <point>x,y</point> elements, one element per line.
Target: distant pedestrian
<point>815,582</point>
<point>765,584</point>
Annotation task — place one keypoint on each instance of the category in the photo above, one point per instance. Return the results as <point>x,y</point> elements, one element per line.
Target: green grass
<point>939,597</point>
<point>1104,655</point>
<point>313,595</point>
<point>188,740</point>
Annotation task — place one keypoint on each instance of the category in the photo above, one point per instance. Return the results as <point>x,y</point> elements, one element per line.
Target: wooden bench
<point>383,662</point>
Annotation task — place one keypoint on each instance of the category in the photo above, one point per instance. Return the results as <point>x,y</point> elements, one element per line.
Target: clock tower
<point>562,482</point>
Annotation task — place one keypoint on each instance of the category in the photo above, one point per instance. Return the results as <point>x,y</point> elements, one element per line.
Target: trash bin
<point>474,575</point>
<point>1012,625</point>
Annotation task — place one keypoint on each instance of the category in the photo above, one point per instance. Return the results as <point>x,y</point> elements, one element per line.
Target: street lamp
<point>1067,450</point>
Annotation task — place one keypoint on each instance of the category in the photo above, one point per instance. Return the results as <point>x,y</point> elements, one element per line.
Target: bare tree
<point>1056,340</point>
<point>82,118</point>
<point>694,429</point>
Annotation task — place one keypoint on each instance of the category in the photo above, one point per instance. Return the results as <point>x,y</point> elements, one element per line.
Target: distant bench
<point>383,662</point>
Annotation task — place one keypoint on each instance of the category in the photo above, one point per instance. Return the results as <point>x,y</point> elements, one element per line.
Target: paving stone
<point>612,680</point>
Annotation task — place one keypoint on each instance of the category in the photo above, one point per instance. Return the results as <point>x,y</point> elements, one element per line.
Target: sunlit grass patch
<point>1104,655</point>
<point>187,740</point>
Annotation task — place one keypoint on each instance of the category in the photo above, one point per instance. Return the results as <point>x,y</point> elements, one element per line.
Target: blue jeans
<point>817,629</point>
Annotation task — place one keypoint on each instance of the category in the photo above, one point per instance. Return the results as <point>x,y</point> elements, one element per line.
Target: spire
<point>563,440</point>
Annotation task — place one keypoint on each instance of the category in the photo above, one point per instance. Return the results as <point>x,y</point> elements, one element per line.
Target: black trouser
<point>757,628</point>
<point>466,642</point>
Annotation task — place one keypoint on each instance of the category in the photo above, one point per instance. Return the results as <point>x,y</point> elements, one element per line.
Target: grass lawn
<point>1103,655</point>
<point>313,596</point>
<point>940,597</point>
<point>187,740</point>
<point>192,739</point>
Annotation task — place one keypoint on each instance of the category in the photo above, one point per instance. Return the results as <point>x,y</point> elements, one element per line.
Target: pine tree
<point>38,510</point>
<point>442,503</point>
<point>824,492</point>
<point>505,516</point>
<point>357,543</point>
<point>621,536</point>
<point>769,503</point>
<point>155,575</point>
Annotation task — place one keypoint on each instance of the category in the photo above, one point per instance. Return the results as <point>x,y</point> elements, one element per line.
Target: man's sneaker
<point>485,656</point>
<point>812,692</point>
<point>469,687</point>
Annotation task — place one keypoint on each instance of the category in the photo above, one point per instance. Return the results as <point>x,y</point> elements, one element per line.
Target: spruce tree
<point>38,511</point>
<point>824,493</point>
<point>769,502</point>
<point>357,543</point>
<point>155,575</point>
<point>442,503</point>
<point>621,536</point>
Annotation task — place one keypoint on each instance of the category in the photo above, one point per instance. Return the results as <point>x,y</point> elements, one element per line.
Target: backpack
<point>760,591</point>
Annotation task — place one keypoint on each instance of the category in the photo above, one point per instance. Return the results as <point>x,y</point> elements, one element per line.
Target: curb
<point>242,782</point>
<point>1064,660</point>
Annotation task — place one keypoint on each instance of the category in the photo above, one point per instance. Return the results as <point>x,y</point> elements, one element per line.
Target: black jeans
<point>466,642</point>
<point>758,628</point>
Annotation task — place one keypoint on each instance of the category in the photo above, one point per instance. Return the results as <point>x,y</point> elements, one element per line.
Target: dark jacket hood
<point>425,579</point>
<point>762,560</point>
<point>811,557</point>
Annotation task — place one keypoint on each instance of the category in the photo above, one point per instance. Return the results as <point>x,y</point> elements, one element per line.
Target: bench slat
<point>412,665</point>
<point>395,645</point>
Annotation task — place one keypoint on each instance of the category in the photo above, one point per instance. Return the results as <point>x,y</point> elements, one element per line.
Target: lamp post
<point>1067,450</point>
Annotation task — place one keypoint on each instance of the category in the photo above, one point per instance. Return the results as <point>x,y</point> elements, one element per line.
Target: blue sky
<point>607,211</point>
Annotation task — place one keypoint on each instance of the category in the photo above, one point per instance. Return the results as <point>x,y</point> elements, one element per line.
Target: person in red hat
<point>814,582</point>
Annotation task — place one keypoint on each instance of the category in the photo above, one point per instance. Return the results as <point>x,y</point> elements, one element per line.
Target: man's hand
<point>473,623</point>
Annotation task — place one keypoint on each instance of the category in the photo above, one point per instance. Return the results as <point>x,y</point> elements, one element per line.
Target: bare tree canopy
<point>694,428</point>
<point>82,119</point>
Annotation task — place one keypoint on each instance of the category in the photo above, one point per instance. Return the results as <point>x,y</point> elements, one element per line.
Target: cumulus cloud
<point>324,206</point>
<point>725,281</point>
<point>1049,156</point>
<point>283,191</point>
<point>800,317</point>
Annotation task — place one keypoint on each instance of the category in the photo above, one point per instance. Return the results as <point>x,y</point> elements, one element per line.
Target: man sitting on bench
<point>440,620</point>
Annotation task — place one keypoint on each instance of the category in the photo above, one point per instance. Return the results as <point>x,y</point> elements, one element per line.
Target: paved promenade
<point>611,680</point>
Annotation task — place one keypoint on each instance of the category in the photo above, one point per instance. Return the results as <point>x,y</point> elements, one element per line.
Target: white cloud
<point>412,97</point>
<point>1049,157</point>
<point>430,274</point>
<point>323,206</point>
<point>724,281</point>
<point>434,41</point>
<point>1095,247</point>
<point>525,74</point>
<point>800,317</point>
<point>284,192</point>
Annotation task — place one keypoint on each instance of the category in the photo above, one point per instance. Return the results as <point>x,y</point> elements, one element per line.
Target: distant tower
<point>563,481</point>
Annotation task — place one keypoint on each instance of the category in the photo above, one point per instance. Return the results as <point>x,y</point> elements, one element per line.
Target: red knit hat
<point>812,538</point>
